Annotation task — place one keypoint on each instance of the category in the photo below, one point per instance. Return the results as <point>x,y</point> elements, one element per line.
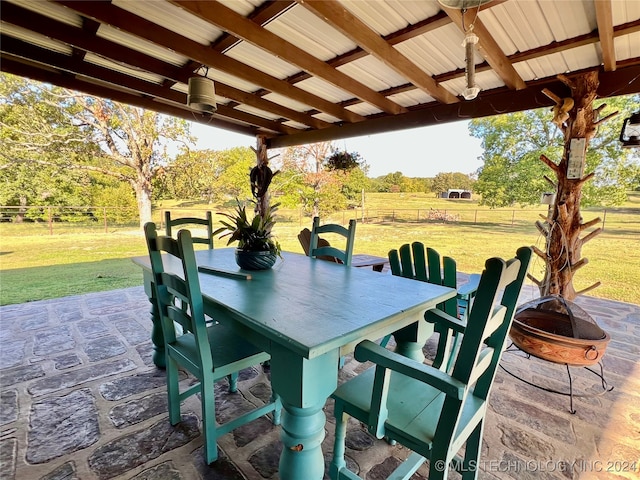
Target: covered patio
<point>81,399</point>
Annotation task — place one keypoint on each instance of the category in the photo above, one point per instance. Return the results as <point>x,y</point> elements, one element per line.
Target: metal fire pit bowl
<point>559,331</point>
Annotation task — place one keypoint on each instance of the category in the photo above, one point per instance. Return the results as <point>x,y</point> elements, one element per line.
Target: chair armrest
<point>369,351</point>
<point>439,317</point>
<point>469,289</point>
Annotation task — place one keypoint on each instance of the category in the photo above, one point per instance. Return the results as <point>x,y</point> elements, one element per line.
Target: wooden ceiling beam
<point>626,80</point>
<point>228,20</point>
<point>64,80</point>
<point>112,83</point>
<point>262,15</point>
<point>119,54</point>
<point>604,17</point>
<point>352,27</point>
<point>487,46</point>
<point>110,14</point>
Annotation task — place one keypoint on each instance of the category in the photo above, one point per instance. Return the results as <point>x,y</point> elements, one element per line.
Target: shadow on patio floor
<point>81,399</point>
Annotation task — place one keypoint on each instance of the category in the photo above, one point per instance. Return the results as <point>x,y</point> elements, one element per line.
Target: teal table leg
<point>157,337</point>
<point>411,339</point>
<point>302,434</point>
<point>304,385</point>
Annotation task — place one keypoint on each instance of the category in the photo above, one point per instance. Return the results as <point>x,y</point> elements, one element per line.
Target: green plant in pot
<point>257,247</point>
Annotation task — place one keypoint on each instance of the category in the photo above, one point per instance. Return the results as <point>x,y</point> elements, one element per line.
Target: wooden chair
<point>179,222</point>
<point>429,411</point>
<point>305,240</point>
<point>210,352</point>
<point>322,249</point>
<point>410,261</point>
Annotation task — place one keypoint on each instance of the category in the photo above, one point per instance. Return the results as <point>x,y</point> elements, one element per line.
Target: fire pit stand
<point>605,386</point>
<point>556,330</point>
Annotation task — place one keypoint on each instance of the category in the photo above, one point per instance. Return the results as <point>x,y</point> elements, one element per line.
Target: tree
<point>513,174</point>
<point>130,140</point>
<point>320,178</point>
<point>34,145</point>
<point>520,149</point>
<point>69,130</point>
<point>392,182</point>
<point>208,175</point>
<point>451,180</point>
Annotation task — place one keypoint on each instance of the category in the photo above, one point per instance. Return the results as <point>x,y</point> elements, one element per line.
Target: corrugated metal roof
<point>172,17</point>
<point>302,29</point>
<point>535,40</point>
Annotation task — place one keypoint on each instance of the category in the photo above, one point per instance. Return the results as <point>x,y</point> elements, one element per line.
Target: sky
<point>418,152</point>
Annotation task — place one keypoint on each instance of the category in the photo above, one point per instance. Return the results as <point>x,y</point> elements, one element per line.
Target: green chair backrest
<point>177,288</point>
<point>206,222</point>
<point>485,334</point>
<point>415,262</point>
<point>317,250</point>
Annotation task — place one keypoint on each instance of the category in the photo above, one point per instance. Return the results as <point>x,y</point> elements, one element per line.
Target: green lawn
<point>35,265</point>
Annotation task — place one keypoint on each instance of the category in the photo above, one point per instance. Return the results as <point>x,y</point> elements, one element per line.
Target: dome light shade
<point>202,94</point>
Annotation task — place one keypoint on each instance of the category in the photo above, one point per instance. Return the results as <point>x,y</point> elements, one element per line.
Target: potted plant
<point>257,248</point>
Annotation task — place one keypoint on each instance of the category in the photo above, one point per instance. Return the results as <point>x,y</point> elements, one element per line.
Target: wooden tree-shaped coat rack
<point>562,228</point>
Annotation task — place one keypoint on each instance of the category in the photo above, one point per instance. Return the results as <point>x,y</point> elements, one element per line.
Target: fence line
<point>68,215</point>
<point>64,216</point>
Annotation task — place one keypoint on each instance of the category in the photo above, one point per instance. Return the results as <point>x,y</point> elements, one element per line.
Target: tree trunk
<point>143,197</point>
<point>577,119</point>
<point>22,211</point>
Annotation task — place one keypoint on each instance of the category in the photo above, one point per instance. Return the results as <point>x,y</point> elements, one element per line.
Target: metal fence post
<point>50,221</point>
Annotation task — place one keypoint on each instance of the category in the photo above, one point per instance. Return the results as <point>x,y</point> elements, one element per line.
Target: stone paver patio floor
<point>81,399</point>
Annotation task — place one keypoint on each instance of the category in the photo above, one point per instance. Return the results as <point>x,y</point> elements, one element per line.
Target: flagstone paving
<point>80,399</point>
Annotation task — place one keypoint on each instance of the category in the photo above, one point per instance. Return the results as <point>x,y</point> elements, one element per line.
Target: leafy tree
<point>320,178</point>
<point>451,180</point>
<point>513,173</point>
<point>206,175</point>
<point>57,128</point>
<point>34,145</point>
<point>392,182</point>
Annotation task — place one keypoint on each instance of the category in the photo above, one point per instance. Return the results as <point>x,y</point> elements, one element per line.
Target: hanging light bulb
<point>469,42</point>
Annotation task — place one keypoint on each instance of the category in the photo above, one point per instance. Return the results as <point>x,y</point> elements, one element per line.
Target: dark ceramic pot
<point>255,260</point>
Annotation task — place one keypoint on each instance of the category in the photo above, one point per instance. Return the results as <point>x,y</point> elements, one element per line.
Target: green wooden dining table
<point>306,314</point>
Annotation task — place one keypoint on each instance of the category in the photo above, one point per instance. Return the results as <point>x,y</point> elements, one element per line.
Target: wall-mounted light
<point>202,94</point>
<point>630,133</point>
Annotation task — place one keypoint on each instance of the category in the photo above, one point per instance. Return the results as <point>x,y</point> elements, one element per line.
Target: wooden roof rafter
<point>135,25</point>
<point>228,20</point>
<point>487,46</point>
<point>605,33</point>
<point>145,53</point>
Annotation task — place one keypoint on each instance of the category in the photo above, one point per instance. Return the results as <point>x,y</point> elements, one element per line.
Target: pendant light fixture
<point>202,94</point>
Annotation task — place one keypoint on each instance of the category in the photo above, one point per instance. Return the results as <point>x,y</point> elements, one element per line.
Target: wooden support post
<point>578,120</point>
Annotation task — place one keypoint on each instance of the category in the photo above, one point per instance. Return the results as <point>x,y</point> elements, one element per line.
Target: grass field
<point>77,259</point>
